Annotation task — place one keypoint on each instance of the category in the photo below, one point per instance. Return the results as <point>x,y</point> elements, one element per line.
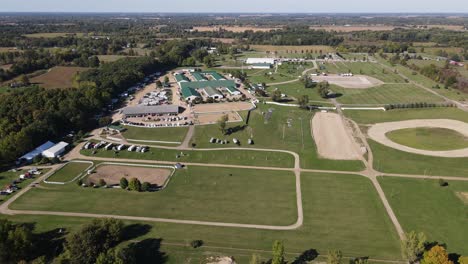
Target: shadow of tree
<point>306,256</point>
<point>49,244</point>
<point>135,230</point>
<point>148,251</point>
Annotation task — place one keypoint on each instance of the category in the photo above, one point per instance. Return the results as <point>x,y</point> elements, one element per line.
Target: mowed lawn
<point>340,212</point>
<point>374,117</point>
<point>422,205</point>
<point>296,89</point>
<point>171,134</point>
<point>69,171</point>
<point>275,133</point>
<point>195,193</point>
<point>429,138</point>
<point>57,77</point>
<point>364,68</point>
<point>385,94</point>
<point>231,157</point>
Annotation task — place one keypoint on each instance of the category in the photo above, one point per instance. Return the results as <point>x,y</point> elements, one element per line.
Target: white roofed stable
<point>37,151</point>
<point>56,150</point>
<point>260,60</point>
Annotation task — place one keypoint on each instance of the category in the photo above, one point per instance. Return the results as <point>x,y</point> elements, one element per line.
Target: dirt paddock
<point>222,107</point>
<point>211,118</point>
<point>378,133</point>
<point>113,173</point>
<point>355,82</point>
<point>331,138</point>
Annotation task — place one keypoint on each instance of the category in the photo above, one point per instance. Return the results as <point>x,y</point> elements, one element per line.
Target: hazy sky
<point>302,6</point>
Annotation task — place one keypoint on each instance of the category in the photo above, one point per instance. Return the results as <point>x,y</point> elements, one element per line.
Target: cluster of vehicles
<point>116,147</point>
<point>178,124</point>
<point>223,142</point>
<point>13,186</point>
<point>156,98</point>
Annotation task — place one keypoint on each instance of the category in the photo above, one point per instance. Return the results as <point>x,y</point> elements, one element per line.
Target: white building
<point>270,61</point>
<point>56,150</point>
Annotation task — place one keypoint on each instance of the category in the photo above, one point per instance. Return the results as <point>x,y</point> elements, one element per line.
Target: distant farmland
<point>235,28</point>
<point>293,49</point>
<point>57,77</point>
<point>52,35</point>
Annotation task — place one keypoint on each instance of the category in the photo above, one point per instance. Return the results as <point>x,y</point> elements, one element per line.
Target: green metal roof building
<point>200,85</point>
<point>233,90</point>
<point>189,93</point>
<point>181,78</point>
<point>198,77</point>
<point>212,92</point>
<point>217,76</point>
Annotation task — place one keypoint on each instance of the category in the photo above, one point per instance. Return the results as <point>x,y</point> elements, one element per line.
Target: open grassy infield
<point>332,204</point>
<point>69,172</point>
<point>429,138</point>
<point>422,205</point>
<point>285,72</point>
<point>171,134</point>
<point>276,134</point>
<point>194,193</point>
<point>385,94</point>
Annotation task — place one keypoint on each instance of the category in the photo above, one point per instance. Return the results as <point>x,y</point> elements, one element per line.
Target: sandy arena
<point>331,138</point>
<point>113,173</point>
<point>222,107</point>
<point>212,118</point>
<point>377,132</point>
<point>355,82</point>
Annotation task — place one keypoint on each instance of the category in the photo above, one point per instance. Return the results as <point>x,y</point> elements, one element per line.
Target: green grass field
<point>276,134</point>
<point>373,117</point>
<point>193,194</point>
<point>364,68</point>
<point>53,35</point>
<point>332,204</point>
<point>422,205</point>
<point>7,177</point>
<point>171,134</point>
<point>232,157</point>
<point>390,160</point>
<point>385,94</point>
<point>429,138</point>
<point>69,172</point>
<point>286,72</point>
<point>296,89</point>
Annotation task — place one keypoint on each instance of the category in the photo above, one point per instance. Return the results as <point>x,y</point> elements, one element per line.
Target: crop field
<point>385,94</point>
<point>276,134</point>
<point>345,200</point>
<point>234,28</point>
<point>111,58</point>
<point>192,194</point>
<point>352,28</point>
<point>171,134</point>
<point>424,206</point>
<point>69,171</point>
<point>57,77</point>
<point>429,138</point>
<point>9,49</point>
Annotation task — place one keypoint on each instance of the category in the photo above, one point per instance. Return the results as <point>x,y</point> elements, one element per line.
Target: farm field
<point>69,172</point>
<point>345,200</point>
<point>351,28</point>
<point>385,94</point>
<point>234,28</point>
<point>171,134</point>
<point>9,49</point>
<point>276,134</point>
<point>111,58</point>
<point>57,77</point>
<point>424,206</point>
<point>429,138</point>
<point>232,157</point>
<point>192,194</point>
